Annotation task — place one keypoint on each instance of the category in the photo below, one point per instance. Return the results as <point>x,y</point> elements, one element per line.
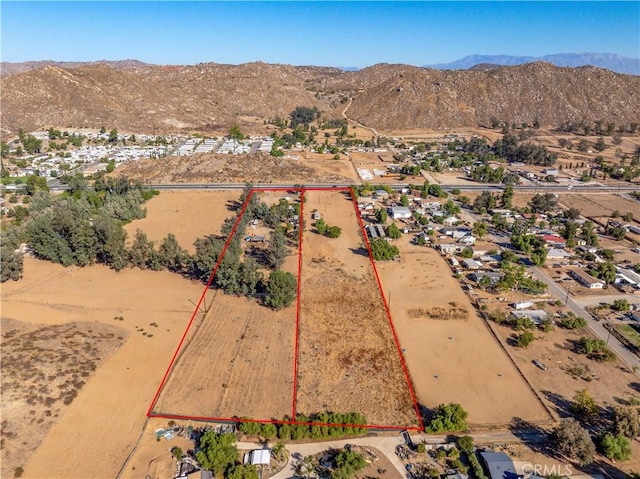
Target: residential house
<point>400,212</point>
<point>587,249</point>
<point>557,253</point>
<point>554,241</point>
<point>451,220</point>
<point>494,276</point>
<point>467,240</point>
<point>535,315</point>
<point>469,263</point>
<point>449,248</point>
<point>499,465</point>
<point>586,279</point>
<point>381,194</point>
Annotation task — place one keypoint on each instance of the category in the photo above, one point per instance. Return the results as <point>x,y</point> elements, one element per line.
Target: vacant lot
<point>347,357</point>
<point>610,384</point>
<point>238,356</point>
<point>147,309</point>
<point>595,205</point>
<point>451,355</point>
<point>188,215</point>
<point>238,362</point>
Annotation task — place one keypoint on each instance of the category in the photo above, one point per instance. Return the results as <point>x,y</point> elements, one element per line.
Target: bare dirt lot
<point>188,215</point>
<point>347,357</point>
<point>238,362</point>
<point>113,401</point>
<point>597,205</point>
<point>238,356</point>
<point>257,168</point>
<point>614,385</point>
<point>451,360</point>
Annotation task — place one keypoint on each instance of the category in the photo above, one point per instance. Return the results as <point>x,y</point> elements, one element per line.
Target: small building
<point>469,263</point>
<point>550,172</point>
<point>258,457</point>
<point>522,304</point>
<point>557,253</point>
<point>535,315</point>
<point>400,212</point>
<point>586,279</point>
<point>381,194</point>
<point>494,276</point>
<point>451,220</point>
<point>467,240</point>
<point>587,249</point>
<point>499,465</point>
<point>448,248</point>
<point>554,241</point>
<point>627,276</point>
<point>375,231</point>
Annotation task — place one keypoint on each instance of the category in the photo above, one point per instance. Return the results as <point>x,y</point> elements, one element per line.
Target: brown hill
<point>211,97</point>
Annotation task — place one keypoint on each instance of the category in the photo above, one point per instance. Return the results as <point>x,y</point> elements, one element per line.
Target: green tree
<point>393,231</point>
<point>218,453</point>
<point>605,271</point>
<point>485,202</point>
<point>506,199</point>
<point>600,145</point>
<point>543,203</point>
<point>381,215</point>
<point>525,339</point>
<point>35,183</point>
<point>172,256</point>
<point>382,250</point>
<point>277,251</point>
<point>404,201</point>
<point>584,405</point>
<point>333,231</point>
<point>571,440</point>
<point>235,133</point>
<point>303,115</point>
<point>480,229</point>
<point>321,226</point>
<point>465,444</point>
<point>613,447</point>
<point>113,136</point>
<point>347,463</point>
<point>111,166</point>
<point>281,289</point>
<point>448,418</point>
<point>626,421</point>
<point>250,428</point>
<point>242,471</point>
<point>268,430</point>
<point>620,305</point>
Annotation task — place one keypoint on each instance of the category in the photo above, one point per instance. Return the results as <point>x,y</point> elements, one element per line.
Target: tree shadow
<point>609,471</point>
<point>635,386</point>
<point>361,251</point>
<point>561,404</point>
<point>532,435</point>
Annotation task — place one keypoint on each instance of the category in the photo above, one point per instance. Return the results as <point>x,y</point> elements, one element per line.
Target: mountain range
<point>610,61</point>
<point>138,97</point>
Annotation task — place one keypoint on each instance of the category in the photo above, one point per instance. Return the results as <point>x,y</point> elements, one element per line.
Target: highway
<point>542,188</point>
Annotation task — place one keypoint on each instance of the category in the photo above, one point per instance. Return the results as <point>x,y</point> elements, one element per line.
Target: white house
<point>400,212</point>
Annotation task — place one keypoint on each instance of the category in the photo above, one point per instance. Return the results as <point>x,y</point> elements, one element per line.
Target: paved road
<point>398,186</point>
<point>596,326</point>
<point>596,300</point>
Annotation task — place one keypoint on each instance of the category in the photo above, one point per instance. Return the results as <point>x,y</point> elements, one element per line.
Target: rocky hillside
<point>209,97</point>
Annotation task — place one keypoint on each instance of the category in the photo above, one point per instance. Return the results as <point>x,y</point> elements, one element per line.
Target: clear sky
<point>319,33</point>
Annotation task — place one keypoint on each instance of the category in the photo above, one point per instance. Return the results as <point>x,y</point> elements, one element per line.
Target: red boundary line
<point>386,307</point>
<point>197,308</point>
<point>291,422</point>
<point>295,358</point>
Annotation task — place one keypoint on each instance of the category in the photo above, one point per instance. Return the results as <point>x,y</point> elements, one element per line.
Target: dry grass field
<point>453,358</point>
<point>238,361</point>
<point>82,307</point>
<point>348,360</point>
<point>557,386</point>
<point>187,214</point>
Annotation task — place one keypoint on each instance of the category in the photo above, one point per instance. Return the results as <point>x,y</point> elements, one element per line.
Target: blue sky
<point>319,33</point>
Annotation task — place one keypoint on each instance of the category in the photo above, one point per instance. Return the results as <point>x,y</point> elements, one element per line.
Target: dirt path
<point>357,123</point>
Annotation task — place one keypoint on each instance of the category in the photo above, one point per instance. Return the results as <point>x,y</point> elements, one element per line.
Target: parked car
<point>539,364</point>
